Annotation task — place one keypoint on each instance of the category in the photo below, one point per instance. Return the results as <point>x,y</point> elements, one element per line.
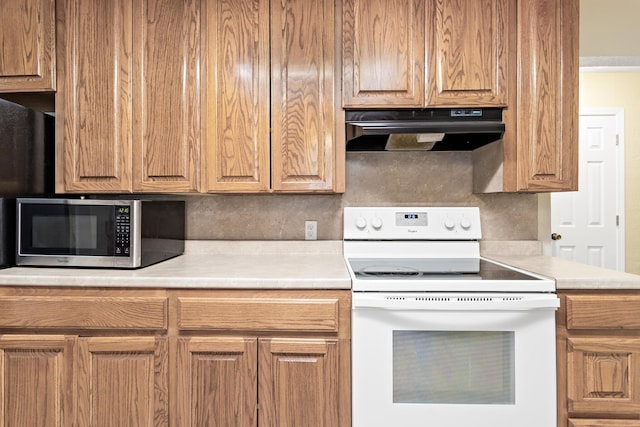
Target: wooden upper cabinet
<point>417,53</point>
<point>547,106</point>
<point>93,106</point>
<point>383,53</point>
<point>127,112</point>
<point>304,121</point>
<point>166,95</point>
<point>27,46</point>
<point>468,52</point>
<point>237,102</point>
<point>273,116</point>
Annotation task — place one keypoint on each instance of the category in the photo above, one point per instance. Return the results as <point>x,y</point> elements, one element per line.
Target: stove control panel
<point>412,223</point>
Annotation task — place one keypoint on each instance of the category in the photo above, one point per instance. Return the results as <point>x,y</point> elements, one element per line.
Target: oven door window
<point>454,367</point>
<point>67,230</point>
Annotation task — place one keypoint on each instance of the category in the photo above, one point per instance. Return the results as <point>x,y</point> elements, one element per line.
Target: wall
<point>621,90</point>
<point>609,28</point>
<point>385,178</point>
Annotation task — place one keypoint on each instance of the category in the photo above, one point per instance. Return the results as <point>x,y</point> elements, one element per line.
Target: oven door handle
<point>455,303</point>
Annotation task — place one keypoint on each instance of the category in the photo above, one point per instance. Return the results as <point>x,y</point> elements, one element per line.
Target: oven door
<point>452,360</point>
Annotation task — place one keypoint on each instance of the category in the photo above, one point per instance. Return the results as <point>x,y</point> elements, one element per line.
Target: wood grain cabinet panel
<point>598,359</point>
<point>298,381</point>
<point>304,129</point>
<point>123,381</point>
<point>603,423</point>
<point>217,381</point>
<point>128,111</point>
<point>166,89</point>
<point>273,122</point>
<point>603,312</point>
<point>547,107</point>
<point>27,46</point>
<point>427,53</point>
<point>603,375</point>
<point>238,91</point>
<point>83,312</point>
<point>468,49</point>
<point>36,380</point>
<point>258,314</point>
<point>383,53</point>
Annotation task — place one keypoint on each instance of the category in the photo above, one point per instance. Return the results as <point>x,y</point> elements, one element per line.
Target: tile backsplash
<point>372,179</point>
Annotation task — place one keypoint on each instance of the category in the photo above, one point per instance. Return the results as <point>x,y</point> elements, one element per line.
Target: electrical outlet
<point>310,230</point>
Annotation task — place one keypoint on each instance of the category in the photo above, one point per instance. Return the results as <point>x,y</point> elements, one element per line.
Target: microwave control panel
<point>123,231</point>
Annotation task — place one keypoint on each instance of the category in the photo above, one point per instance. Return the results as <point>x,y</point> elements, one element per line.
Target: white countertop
<point>212,264</point>
<point>291,265</point>
<point>572,275</point>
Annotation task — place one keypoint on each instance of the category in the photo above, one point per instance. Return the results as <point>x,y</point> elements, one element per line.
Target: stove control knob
<point>361,223</point>
<point>449,224</point>
<point>465,223</point>
<point>376,223</point>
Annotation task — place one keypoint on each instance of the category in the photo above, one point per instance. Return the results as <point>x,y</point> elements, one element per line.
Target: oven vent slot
<point>432,299</point>
<point>444,299</point>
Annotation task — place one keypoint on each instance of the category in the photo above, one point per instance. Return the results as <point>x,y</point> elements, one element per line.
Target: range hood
<point>436,129</point>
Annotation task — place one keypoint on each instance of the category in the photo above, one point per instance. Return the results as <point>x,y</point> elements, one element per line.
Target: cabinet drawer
<point>258,314</point>
<point>83,312</point>
<point>603,423</point>
<point>603,312</point>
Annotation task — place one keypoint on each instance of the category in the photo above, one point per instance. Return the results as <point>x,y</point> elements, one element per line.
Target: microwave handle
<point>457,303</point>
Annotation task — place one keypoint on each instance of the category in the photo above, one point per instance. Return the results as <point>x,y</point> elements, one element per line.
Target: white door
<point>587,225</point>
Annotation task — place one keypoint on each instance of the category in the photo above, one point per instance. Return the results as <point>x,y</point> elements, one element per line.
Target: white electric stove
<point>440,335</point>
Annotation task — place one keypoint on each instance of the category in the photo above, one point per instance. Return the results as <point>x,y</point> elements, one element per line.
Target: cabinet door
<point>217,383</point>
<point>603,376</point>
<point>36,380</point>
<point>305,142</point>
<point>27,46</point>
<point>547,106</point>
<point>383,53</point>
<point>166,95</point>
<point>93,104</point>
<point>122,381</point>
<point>468,49</point>
<point>237,95</point>
<point>297,384</point>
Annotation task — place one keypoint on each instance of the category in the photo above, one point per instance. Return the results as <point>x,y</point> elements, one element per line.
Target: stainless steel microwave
<point>98,233</point>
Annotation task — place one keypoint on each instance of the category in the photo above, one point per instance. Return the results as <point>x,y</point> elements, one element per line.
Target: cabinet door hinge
<point>617,139</point>
<point>617,220</point>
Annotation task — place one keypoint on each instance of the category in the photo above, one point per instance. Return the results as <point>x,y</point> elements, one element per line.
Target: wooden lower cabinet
<point>261,358</point>
<point>599,359</point>
<point>248,381</point>
<point>122,381</point>
<point>36,380</point>
<point>217,381</point>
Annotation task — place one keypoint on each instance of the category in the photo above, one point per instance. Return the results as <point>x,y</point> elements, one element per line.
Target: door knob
<point>556,236</point>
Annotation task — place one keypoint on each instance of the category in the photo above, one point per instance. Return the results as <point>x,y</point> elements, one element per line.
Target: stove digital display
<point>411,219</point>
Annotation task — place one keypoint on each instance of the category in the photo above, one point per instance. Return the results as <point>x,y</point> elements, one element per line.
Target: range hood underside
<point>441,129</point>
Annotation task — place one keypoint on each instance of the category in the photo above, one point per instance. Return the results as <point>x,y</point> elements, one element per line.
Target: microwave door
<point>66,230</point>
